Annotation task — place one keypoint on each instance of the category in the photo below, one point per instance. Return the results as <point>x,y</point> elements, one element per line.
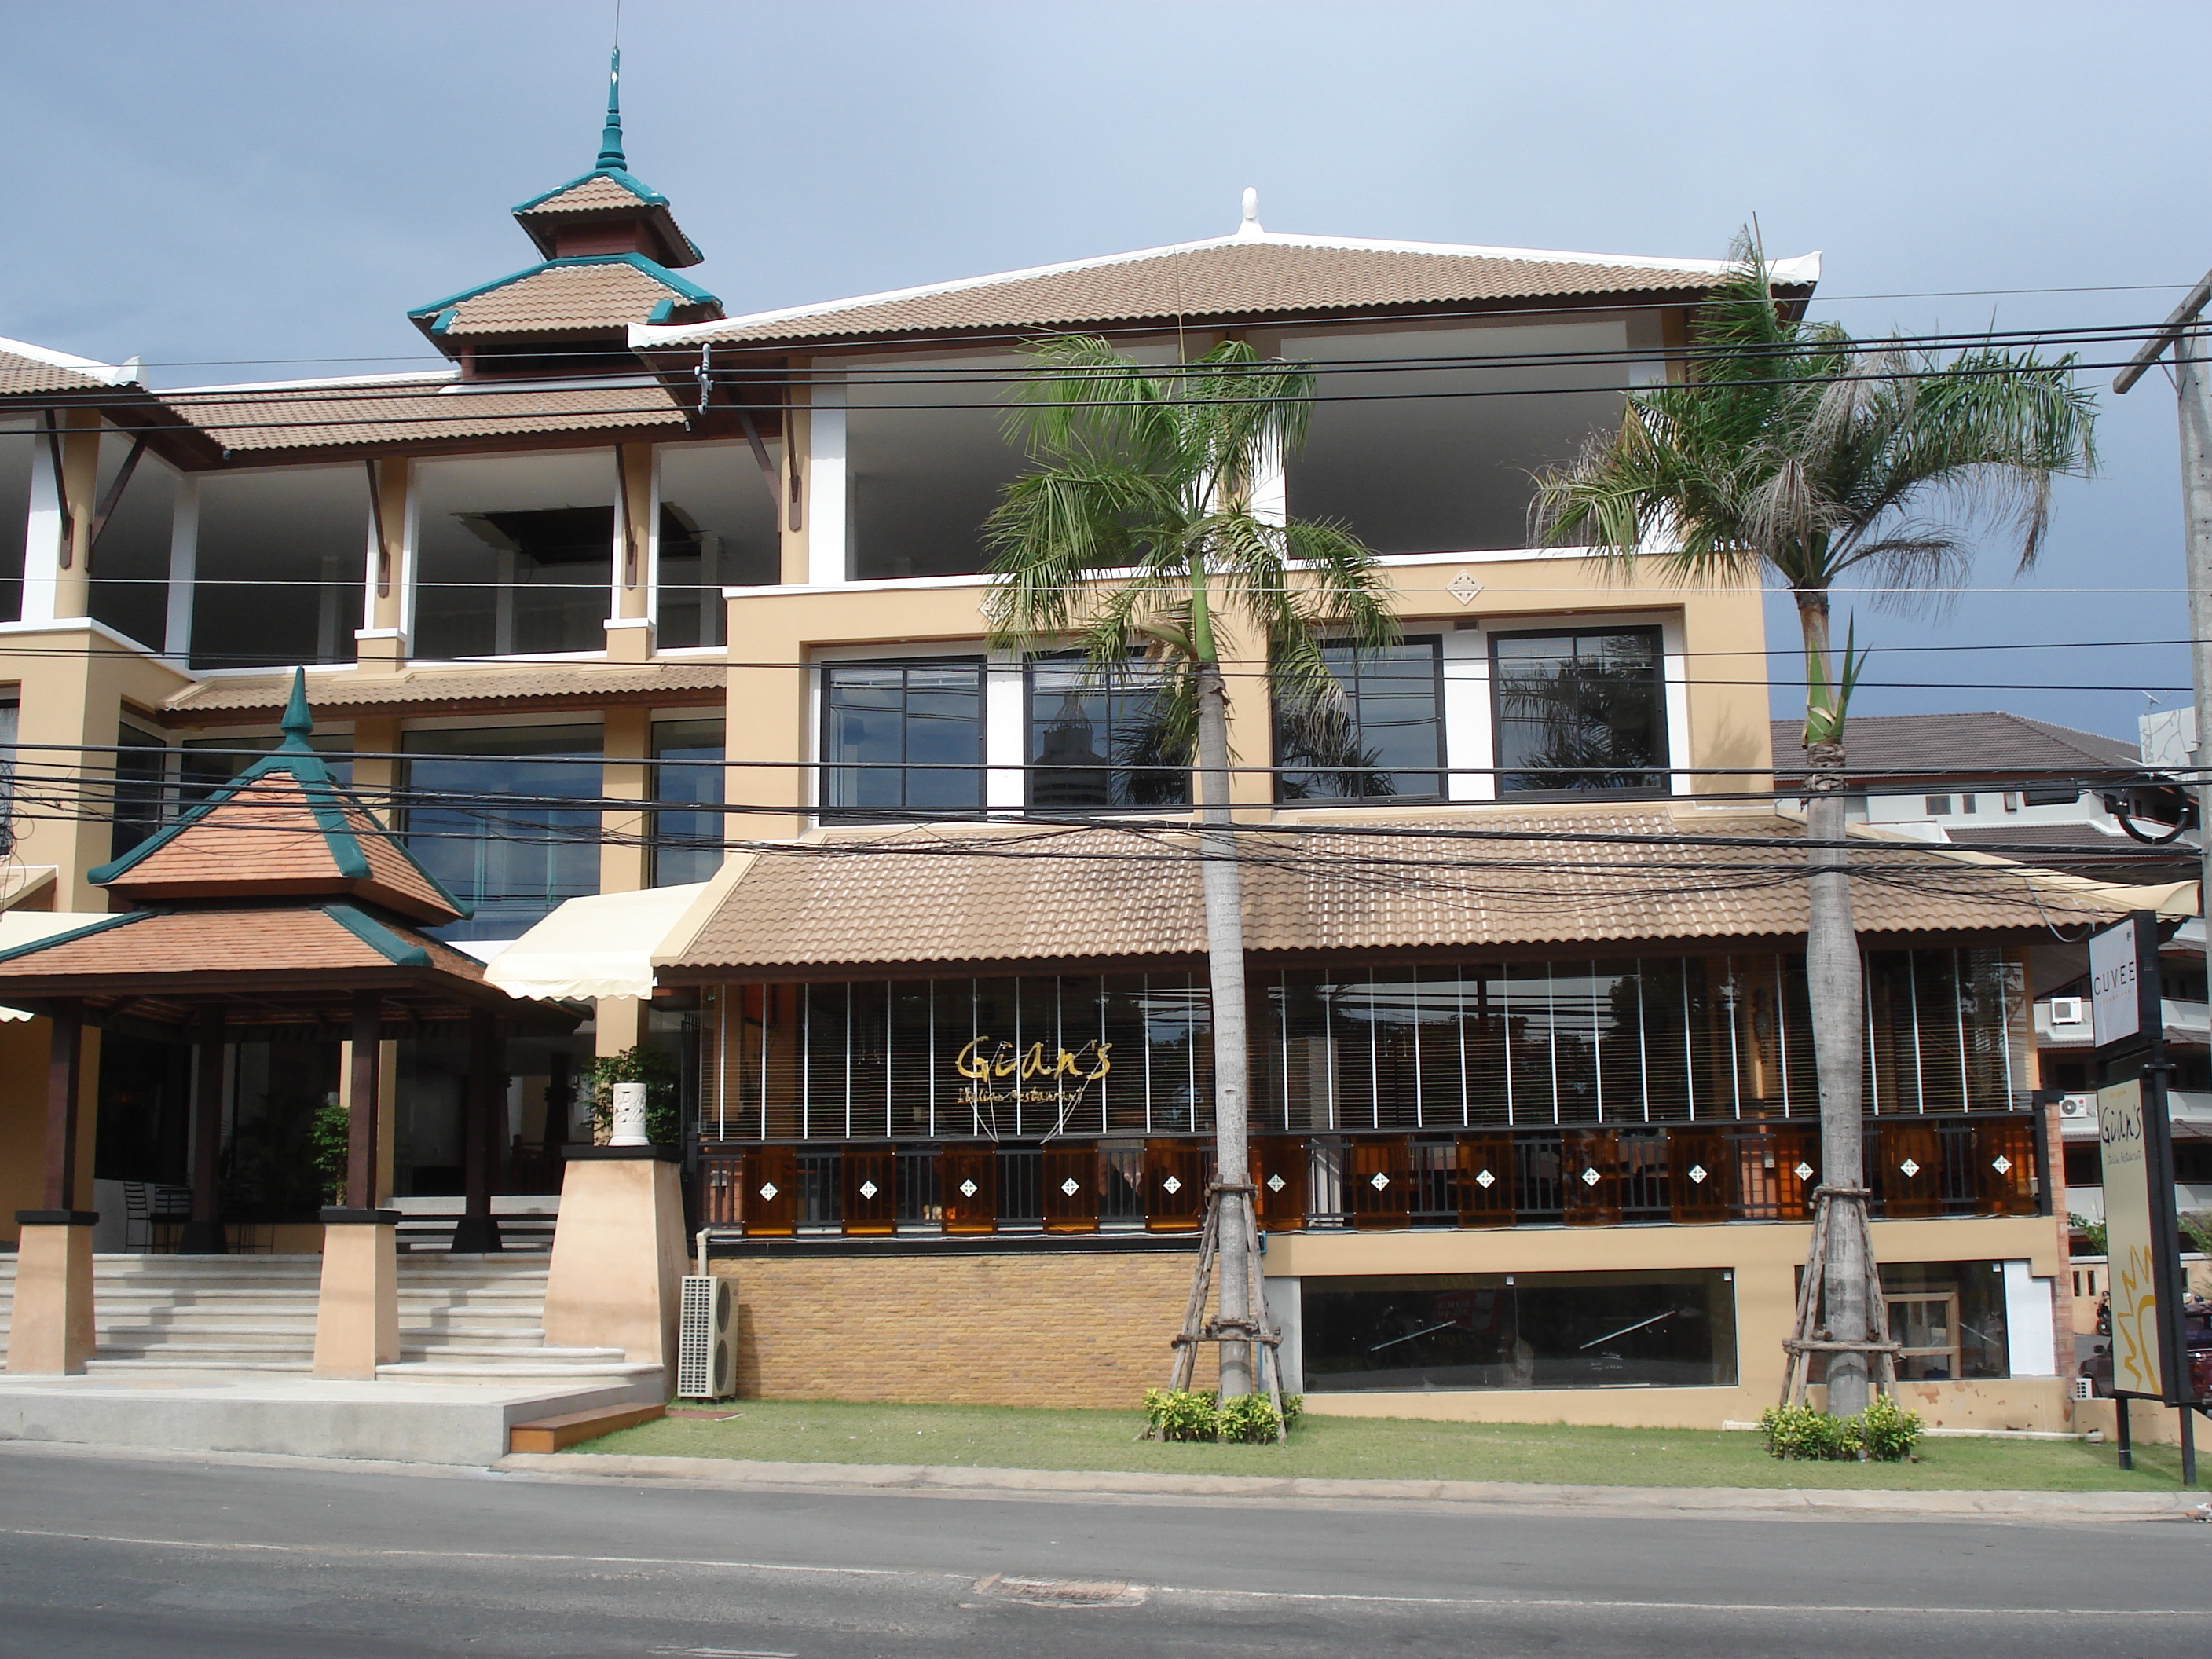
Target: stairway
<point>461,1318</point>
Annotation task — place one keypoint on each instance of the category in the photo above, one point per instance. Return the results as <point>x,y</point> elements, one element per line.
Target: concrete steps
<point>475,1317</point>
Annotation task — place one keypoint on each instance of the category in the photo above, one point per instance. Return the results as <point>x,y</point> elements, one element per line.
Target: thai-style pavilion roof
<point>285,827</point>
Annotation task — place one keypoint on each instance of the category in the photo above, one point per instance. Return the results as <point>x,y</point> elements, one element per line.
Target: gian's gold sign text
<point>985,1058</point>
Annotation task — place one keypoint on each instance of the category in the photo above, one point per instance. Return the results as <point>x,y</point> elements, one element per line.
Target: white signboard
<point>2128,1237</point>
<point>2114,995</point>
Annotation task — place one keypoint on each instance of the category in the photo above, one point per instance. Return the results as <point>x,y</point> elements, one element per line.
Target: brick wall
<point>1087,1329</point>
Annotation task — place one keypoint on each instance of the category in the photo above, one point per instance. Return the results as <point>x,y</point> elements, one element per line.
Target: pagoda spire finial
<point>298,724</point>
<point>611,140</point>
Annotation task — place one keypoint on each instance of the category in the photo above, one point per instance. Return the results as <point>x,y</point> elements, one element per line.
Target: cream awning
<point>599,946</point>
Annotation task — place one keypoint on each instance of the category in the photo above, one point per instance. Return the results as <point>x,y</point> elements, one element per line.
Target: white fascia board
<point>113,373</point>
<point>1805,268</point>
<point>427,377</point>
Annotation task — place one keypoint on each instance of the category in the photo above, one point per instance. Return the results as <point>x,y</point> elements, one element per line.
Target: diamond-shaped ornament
<point>1463,587</point>
<point>1069,1186</point>
<point>1276,1183</point>
<point>869,1189</point>
<point>1698,1172</point>
<point>2002,1166</point>
<point>1486,1180</point>
<point>1910,1168</point>
<point>967,1189</point>
<point>1590,1178</point>
<point>1171,1185</point>
<point>767,1189</point>
<point>1378,1180</point>
<point>1804,1171</point>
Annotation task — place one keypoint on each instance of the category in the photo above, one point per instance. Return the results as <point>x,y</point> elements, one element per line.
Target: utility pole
<point>2185,334</point>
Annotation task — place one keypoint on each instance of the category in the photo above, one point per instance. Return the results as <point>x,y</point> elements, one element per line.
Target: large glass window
<point>902,737</point>
<point>514,554</point>
<point>687,844</point>
<point>21,446</point>
<point>130,564</point>
<point>483,816</point>
<point>1949,1318</point>
<point>279,577</point>
<point>717,528</point>
<point>1447,469</point>
<point>1581,709</point>
<point>1664,1328</point>
<point>141,779</point>
<point>924,477</point>
<point>1097,741</point>
<point>1385,738</point>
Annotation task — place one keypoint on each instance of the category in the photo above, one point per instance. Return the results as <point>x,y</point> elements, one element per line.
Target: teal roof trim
<point>86,932</point>
<point>646,194</point>
<point>692,293</point>
<point>400,952</point>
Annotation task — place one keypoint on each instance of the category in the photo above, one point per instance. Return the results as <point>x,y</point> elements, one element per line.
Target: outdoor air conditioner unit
<point>2069,1011</point>
<point>707,1340</point>
<point>2078,1106</point>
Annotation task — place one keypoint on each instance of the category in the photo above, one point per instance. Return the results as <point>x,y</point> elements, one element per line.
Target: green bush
<point>653,1067</point>
<point>2093,1232</point>
<point>1882,1432</point>
<point>1887,1431</point>
<point>2197,1232</point>
<point>329,1136</point>
<point>1198,1414</point>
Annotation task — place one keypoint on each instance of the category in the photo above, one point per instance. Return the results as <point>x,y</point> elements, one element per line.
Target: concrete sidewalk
<point>1778,1501</point>
<point>410,1420</point>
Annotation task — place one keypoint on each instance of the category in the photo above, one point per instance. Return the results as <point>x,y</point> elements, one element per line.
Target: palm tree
<point>1792,453</point>
<point>1136,540</point>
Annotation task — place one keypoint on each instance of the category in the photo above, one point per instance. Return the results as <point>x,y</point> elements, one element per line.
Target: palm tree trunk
<point>1225,945</point>
<point>1833,980</point>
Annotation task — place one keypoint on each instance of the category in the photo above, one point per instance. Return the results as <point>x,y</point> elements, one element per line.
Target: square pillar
<point>203,1233</point>
<point>484,1126</point>
<point>50,1331</point>
<point>614,1280</point>
<point>357,1311</point>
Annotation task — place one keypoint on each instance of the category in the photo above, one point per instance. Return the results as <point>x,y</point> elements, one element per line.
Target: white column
<point>42,534</point>
<point>1675,656</point>
<point>1006,733</point>
<point>1271,493</point>
<point>1469,742</point>
<point>829,536</point>
<point>183,569</point>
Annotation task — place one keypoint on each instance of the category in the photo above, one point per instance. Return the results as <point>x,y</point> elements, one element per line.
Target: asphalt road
<point>174,1559</point>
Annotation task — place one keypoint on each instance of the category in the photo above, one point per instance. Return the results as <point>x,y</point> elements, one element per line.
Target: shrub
<point>330,1138</point>
<point>1198,1414</point>
<point>2093,1233</point>
<point>2197,1232</point>
<point>1884,1432</point>
<point>1887,1431</point>
<point>653,1067</point>
<point>1248,1421</point>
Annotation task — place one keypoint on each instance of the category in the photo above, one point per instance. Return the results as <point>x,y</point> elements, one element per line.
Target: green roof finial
<point>611,141</point>
<point>298,724</point>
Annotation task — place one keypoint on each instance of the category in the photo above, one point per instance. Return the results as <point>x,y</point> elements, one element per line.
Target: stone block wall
<point>1088,1329</point>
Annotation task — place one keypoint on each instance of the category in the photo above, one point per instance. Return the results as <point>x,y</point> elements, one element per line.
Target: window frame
<point>1279,766</point>
<point>1029,664</point>
<point>1662,712</point>
<point>826,713</point>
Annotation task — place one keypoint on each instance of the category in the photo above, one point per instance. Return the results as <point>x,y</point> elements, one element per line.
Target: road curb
<point>917,1477</point>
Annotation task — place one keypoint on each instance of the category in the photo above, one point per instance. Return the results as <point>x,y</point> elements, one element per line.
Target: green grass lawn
<point>811,1432</point>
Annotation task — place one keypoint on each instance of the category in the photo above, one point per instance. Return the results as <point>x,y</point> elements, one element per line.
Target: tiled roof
<point>347,693</point>
<point>567,296</point>
<point>284,828</point>
<point>164,944</point>
<point>592,193</point>
<point>258,419</point>
<point>20,374</point>
<point>2083,848</point>
<point>1975,744</point>
<point>919,897</point>
<point>1234,275</point>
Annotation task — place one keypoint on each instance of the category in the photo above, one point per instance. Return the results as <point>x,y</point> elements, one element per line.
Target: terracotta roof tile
<point>564,298</point>
<point>346,693</point>
<point>1976,744</point>
<point>1229,278</point>
<point>1580,877</point>
<point>224,941</point>
<point>19,374</point>
<point>278,418</point>
<point>588,195</point>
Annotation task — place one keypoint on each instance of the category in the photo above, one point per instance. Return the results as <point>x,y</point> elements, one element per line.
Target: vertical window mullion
<point>1912,1002</point>
<point>1642,1047</point>
<point>1689,1047</point>
<point>1728,1004</point>
<point>1782,1027</point>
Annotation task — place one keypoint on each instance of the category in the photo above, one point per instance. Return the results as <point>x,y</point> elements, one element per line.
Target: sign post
<point>2150,1358</point>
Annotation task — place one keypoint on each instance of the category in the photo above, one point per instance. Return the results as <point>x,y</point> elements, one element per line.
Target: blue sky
<point>215,185</point>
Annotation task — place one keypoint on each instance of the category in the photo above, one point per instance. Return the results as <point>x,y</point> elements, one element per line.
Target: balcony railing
<point>1986,1164</point>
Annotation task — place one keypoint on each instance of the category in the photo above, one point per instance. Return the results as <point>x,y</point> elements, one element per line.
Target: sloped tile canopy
<point>920,901</point>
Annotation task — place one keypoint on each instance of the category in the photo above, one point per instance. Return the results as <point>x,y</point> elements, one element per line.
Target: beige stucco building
<point>633,593</point>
